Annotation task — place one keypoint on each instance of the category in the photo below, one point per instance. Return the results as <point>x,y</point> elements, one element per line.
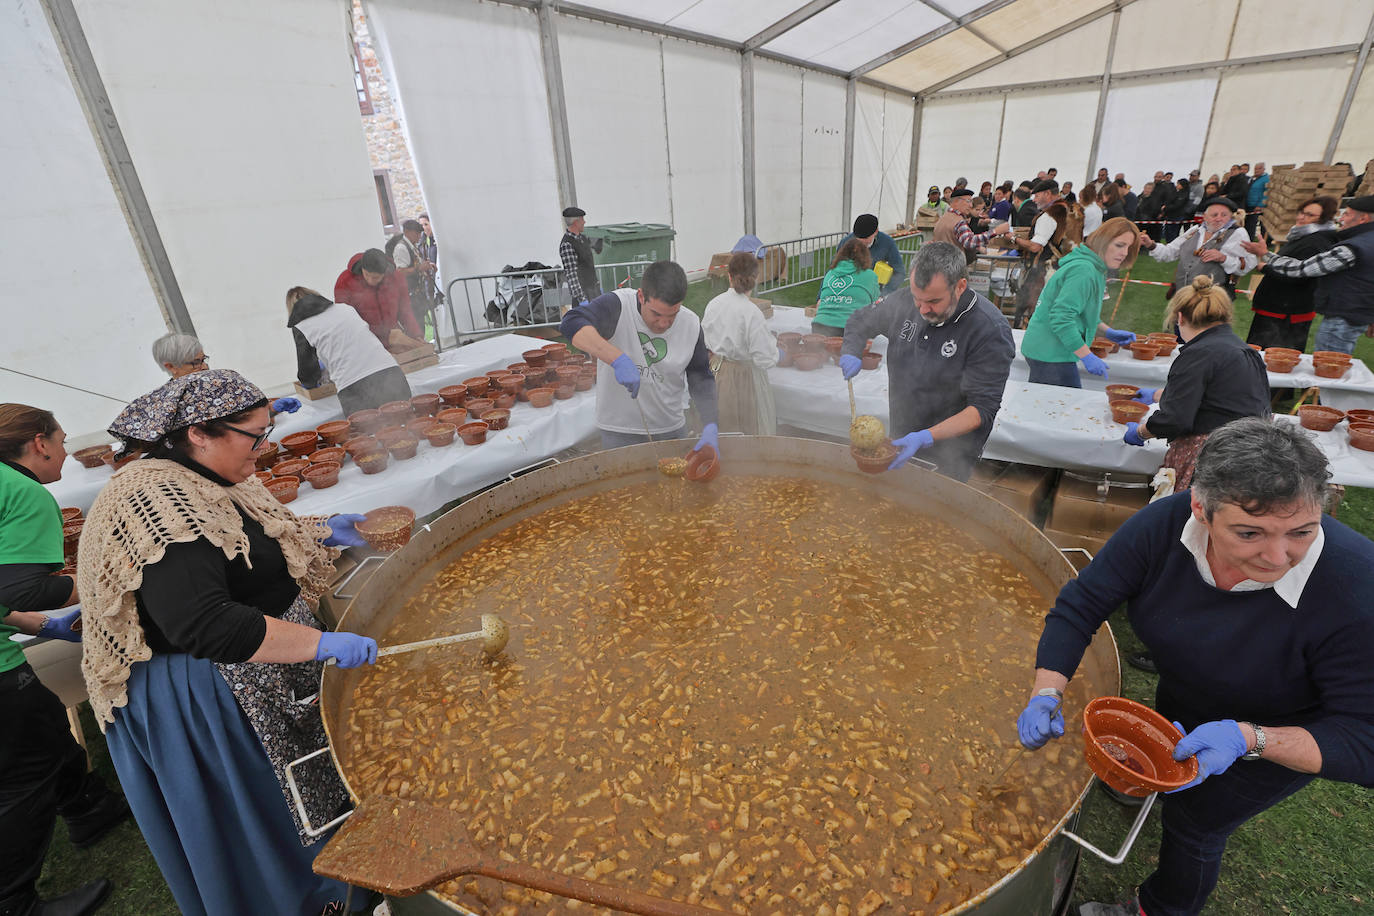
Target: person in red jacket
<point>372,286</point>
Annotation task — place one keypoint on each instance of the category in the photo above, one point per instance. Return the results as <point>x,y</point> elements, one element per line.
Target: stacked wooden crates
<point>1367,186</point>
<point>1292,186</point>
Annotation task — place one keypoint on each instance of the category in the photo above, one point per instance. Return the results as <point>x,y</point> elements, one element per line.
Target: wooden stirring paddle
<point>402,847</point>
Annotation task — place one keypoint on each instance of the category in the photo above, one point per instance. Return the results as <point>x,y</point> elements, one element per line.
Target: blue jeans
<point>610,439</point>
<point>1337,334</point>
<point>1065,375</point>
<point>1197,823</point>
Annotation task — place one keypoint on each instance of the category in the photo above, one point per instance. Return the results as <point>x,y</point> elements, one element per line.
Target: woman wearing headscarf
<point>742,352</point>
<point>371,285</point>
<point>1283,307</point>
<point>201,650</point>
<point>1216,378</point>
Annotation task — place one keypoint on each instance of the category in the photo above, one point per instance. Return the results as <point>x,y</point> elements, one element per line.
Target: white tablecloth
<point>434,476</point>
<point>1354,389</point>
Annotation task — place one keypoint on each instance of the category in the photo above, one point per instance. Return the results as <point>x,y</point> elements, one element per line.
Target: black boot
<point>85,899</point>
<point>93,822</point>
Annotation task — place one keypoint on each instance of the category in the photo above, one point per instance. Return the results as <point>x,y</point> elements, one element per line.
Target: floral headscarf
<point>196,398</point>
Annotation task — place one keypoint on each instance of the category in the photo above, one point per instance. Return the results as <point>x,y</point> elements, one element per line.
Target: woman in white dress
<point>742,352</point>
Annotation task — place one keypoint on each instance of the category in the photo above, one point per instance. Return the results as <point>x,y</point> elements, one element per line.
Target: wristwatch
<point>1258,752</point>
<point>1050,692</point>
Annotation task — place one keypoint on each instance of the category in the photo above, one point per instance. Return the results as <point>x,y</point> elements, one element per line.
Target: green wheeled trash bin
<point>629,243</point>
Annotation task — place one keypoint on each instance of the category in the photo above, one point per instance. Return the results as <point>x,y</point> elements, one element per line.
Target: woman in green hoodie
<point>1068,315</point>
<point>848,286</point>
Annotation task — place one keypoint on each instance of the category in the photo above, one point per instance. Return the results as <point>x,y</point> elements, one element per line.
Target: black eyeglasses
<point>201,361</point>
<point>258,440</point>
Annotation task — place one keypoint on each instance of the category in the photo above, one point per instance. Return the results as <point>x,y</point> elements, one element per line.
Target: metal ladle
<point>494,635</point>
<point>998,786</point>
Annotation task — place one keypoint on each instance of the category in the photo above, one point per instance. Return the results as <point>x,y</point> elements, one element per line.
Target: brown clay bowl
<point>477,386</point>
<point>453,395</point>
<point>70,514</point>
<point>1329,368</point>
<point>267,456</point>
<point>92,456</point>
<point>366,422</point>
<point>403,448</point>
<point>1166,343</point>
<point>1131,748</point>
<point>833,346</point>
<point>335,432</point>
<point>1282,352</point>
<point>418,426</point>
<point>291,467</point>
<point>535,358</point>
<point>504,402</point>
<point>441,434</point>
<point>1256,347</point>
<point>511,384</point>
<point>586,382</point>
<point>284,488</point>
<point>302,443</point>
<point>1319,418</point>
<point>870,360</point>
<point>874,461</point>
<point>517,368</point>
<point>568,374</point>
<point>264,476</point>
<point>372,462</point>
<point>453,416</point>
<point>1122,392</point>
<point>813,343</point>
<point>790,341</point>
<point>388,433</point>
<point>322,476</point>
<point>1359,415</point>
<point>387,528</point>
<point>563,392</point>
<point>474,433</point>
<point>808,361</point>
<point>396,412</point>
<point>541,397</point>
<point>360,444</point>
<point>1143,349</point>
<point>426,404</point>
<point>1280,365</point>
<point>1100,349</point>
<point>556,351</point>
<point>704,464</point>
<point>1334,355</point>
<point>118,463</point>
<point>335,454</point>
<point>497,418</point>
<point>479,406</point>
<point>1361,436</point>
<point>1128,411</point>
<point>494,375</point>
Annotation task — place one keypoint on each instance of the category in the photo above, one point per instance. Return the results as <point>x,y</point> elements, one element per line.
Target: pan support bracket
<point>1131,835</point>
<point>296,799</point>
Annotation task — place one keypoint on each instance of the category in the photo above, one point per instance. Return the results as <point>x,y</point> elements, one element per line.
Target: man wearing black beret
<point>1216,248</point>
<point>1345,279</point>
<point>881,247</point>
<point>576,253</point>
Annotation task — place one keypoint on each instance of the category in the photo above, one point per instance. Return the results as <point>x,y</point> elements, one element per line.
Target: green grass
<point>1308,856</point>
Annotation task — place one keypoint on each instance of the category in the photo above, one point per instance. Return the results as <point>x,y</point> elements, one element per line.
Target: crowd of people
<point>197,598</point>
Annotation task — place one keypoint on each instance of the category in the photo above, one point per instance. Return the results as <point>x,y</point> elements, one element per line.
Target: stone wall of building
<point>386,142</point>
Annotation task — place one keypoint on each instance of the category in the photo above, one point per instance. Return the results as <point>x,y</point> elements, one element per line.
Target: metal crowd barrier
<point>518,300</point>
<point>809,258</point>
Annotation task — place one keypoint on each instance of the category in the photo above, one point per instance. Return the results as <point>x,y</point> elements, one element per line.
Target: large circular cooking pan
<point>1038,885</point>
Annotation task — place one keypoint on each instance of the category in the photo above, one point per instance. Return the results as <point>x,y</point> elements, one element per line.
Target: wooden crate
<point>327,390</point>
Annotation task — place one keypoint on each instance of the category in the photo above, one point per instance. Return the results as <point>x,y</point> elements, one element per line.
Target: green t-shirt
<point>844,291</point>
<point>30,532</point>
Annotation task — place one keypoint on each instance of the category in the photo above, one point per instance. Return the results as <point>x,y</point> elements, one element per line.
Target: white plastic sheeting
<point>852,32</point>
<point>959,137</point>
<point>470,79</point>
<point>822,154</point>
<point>882,154</point>
<point>255,165</point>
<point>1042,130</point>
<point>778,151</point>
<point>79,309</point>
<point>1276,27</point>
<point>1171,33</point>
<point>1082,52</point>
<point>728,19</point>
<point>1140,146</point>
<point>1275,113</point>
<point>1356,144</point>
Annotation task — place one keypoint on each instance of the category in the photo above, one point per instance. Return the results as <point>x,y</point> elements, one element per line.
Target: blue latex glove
<point>1146,396</point>
<point>345,531</point>
<point>710,435</point>
<point>1132,436</point>
<point>348,649</point>
<point>286,405</point>
<point>1039,722</point>
<point>1216,744</point>
<point>1124,338</point>
<point>61,627</point>
<point>909,445</point>
<point>1094,364</point>
<point>850,365</point>
<point>627,374</point>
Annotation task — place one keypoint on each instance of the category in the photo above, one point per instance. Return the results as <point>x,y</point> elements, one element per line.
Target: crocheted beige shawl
<point>146,506</point>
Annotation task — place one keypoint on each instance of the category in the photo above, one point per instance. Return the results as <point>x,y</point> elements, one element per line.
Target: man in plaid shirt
<point>953,226</point>
<point>576,253</point>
